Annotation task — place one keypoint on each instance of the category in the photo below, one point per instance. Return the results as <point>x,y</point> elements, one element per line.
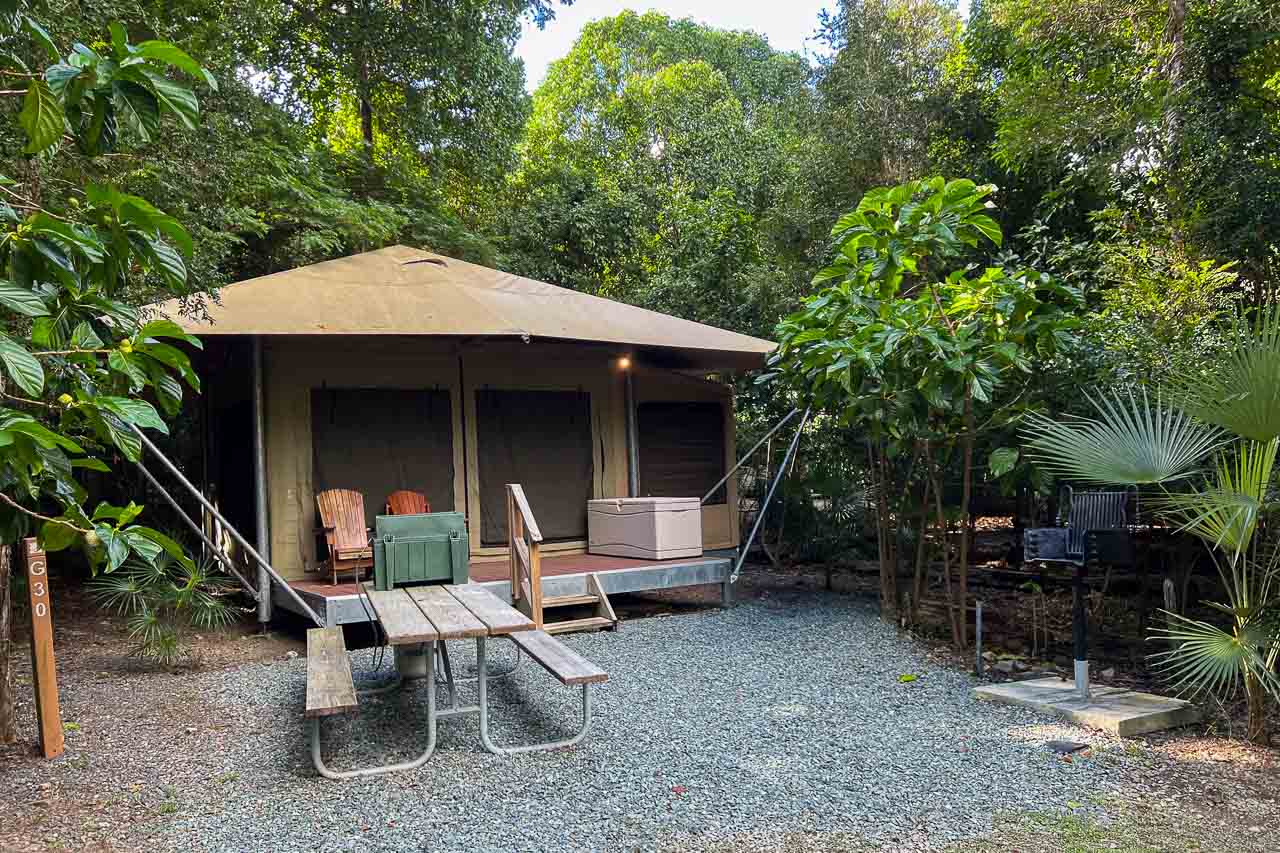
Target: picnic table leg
<point>448,675</point>
<point>487,741</point>
<point>413,764</point>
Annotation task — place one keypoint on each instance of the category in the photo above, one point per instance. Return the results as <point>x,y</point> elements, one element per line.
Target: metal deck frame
<point>709,569</point>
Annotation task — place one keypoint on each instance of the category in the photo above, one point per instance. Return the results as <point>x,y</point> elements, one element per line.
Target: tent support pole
<point>764,507</point>
<point>263,532</point>
<point>633,451</point>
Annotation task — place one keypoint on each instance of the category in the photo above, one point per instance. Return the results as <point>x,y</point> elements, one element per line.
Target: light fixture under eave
<point>624,362</point>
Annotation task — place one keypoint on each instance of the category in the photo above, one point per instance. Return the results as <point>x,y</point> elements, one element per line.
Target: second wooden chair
<point>406,502</point>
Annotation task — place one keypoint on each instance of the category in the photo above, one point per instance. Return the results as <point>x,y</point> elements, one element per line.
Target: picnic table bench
<point>417,621</point>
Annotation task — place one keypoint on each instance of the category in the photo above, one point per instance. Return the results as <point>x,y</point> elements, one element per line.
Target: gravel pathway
<point>782,715</point>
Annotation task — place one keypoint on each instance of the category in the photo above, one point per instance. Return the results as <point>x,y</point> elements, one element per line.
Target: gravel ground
<point>784,716</point>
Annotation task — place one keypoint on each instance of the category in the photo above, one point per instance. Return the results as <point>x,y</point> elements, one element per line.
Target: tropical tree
<point>655,168</point>
<point>79,366</point>
<point>920,350</point>
<point>1230,411</point>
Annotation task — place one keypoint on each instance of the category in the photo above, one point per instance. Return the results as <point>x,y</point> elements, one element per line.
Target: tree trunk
<point>8,720</point>
<point>1257,696</point>
<point>946,554</point>
<point>366,110</point>
<point>884,540</point>
<point>970,430</point>
<point>917,582</point>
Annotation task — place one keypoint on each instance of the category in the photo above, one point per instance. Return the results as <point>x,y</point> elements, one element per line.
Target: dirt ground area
<point>1197,790</point>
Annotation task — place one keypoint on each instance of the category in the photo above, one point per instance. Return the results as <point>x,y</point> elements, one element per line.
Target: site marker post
<point>44,673</point>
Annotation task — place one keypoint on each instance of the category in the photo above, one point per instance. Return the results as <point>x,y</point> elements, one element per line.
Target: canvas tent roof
<point>403,291</point>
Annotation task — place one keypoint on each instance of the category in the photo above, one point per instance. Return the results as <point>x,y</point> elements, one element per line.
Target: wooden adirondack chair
<point>406,502</point>
<point>342,517</point>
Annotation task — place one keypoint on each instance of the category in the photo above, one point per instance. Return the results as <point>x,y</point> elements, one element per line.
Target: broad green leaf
<point>176,98</point>
<point>164,329</point>
<point>1002,461</point>
<point>41,117</point>
<point>116,545</point>
<point>145,547</point>
<point>121,515</point>
<point>41,36</point>
<point>134,411</point>
<point>171,228</point>
<point>89,463</point>
<point>122,436</point>
<point>138,107</point>
<point>170,547</point>
<point>60,75</point>
<point>75,238</point>
<point>119,38</point>
<point>163,51</point>
<point>22,300</point>
<point>22,366</point>
<point>84,337</point>
<point>42,435</point>
<point>988,226</point>
<point>57,537</point>
<point>169,263</point>
<point>121,363</point>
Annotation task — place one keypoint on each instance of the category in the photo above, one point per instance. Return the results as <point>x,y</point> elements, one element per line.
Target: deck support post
<point>263,532</point>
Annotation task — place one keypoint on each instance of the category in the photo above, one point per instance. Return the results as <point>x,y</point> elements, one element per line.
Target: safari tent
<point>404,369</point>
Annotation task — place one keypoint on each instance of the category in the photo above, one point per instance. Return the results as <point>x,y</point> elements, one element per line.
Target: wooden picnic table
<point>418,621</point>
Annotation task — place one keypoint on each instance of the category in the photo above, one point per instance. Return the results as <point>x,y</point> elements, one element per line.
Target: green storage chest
<point>416,548</point>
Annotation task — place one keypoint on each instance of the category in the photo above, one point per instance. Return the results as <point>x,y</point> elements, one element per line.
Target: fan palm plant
<point>163,600</point>
<point>1213,455</point>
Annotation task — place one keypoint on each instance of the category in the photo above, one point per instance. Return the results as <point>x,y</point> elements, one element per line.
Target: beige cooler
<point>650,528</point>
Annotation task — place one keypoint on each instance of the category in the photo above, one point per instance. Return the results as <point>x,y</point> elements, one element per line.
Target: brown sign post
<point>42,666</point>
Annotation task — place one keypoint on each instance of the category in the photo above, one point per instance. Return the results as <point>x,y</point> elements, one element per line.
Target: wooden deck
<point>561,575</point>
<point>497,570</point>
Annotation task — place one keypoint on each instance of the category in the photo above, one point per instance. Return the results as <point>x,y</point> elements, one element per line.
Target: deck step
<point>591,623</point>
<point>570,600</point>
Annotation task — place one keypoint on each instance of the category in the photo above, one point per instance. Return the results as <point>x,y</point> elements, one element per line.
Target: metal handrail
<point>217,552</point>
<point>226,525</point>
<point>779,425</point>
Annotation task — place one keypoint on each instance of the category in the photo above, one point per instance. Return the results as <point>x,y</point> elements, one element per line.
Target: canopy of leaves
<point>655,165</point>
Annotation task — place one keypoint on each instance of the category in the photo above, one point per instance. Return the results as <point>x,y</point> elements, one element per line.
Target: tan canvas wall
<point>294,366</point>
<point>719,523</point>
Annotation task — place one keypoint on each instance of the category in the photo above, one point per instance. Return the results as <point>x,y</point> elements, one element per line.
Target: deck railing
<point>524,541</point>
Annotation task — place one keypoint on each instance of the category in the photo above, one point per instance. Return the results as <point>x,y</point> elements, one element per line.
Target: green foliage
<point>903,335</point>
<point>77,358</point>
<point>1130,442</point>
<point>910,344</point>
<point>1240,390</point>
<point>882,96</point>
<point>653,169</point>
<point>164,599</point>
<point>1226,511</point>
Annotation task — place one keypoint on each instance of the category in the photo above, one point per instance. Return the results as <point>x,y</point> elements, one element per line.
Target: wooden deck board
<point>451,619</point>
<point>498,616</point>
<point>402,620</point>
